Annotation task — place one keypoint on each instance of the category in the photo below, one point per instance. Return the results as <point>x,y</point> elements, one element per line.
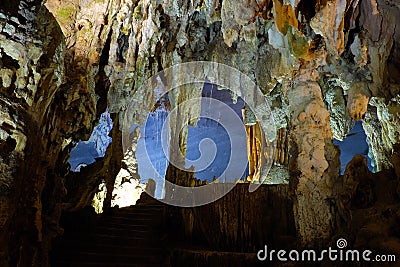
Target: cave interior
<point>199,133</point>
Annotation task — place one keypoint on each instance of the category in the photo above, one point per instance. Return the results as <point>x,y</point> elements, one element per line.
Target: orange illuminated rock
<point>284,17</point>
<point>358,98</point>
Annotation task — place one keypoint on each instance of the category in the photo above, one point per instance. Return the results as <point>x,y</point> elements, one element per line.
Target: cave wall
<point>38,120</point>
<point>368,206</point>
<point>321,64</point>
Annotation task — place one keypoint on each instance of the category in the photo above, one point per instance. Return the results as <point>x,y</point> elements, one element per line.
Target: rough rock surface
<point>312,133</point>
<point>38,118</point>
<point>369,207</point>
<point>55,83</point>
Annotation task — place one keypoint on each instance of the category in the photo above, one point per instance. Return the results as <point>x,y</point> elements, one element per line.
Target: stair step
<point>121,235</point>
<point>85,256</point>
<point>104,236</point>
<point>127,237</point>
<point>136,217</point>
<point>140,207</point>
<point>102,264</point>
<point>142,230</point>
<point>135,214</point>
<point>115,250</point>
<point>106,239</point>
<point>138,226</point>
<point>129,246</point>
<point>127,225</point>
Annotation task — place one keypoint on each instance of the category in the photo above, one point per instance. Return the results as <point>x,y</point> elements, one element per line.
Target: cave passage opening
<point>354,143</point>
<point>150,159</point>
<point>209,132</point>
<point>224,134</point>
<point>87,152</point>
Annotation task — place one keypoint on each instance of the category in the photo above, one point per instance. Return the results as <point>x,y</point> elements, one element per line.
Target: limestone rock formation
<point>38,120</point>
<point>321,65</point>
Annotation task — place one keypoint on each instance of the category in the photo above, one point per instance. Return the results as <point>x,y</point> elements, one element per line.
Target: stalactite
<point>281,147</point>
<point>254,147</point>
<point>257,146</point>
<point>47,103</point>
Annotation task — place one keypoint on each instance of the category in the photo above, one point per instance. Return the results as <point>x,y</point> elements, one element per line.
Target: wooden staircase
<point>131,236</point>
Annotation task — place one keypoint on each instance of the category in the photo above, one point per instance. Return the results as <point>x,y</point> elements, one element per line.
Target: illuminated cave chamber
<point>216,132</point>
<point>209,133</point>
<point>355,143</point>
<point>257,151</point>
<point>86,152</point>
<point>224,122</point>
<point>268,161</point>
<point>353,128</point>
<point>216,129</point>
<point>151,158</point>
<point>126,189</point>
<point>62,62</point>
